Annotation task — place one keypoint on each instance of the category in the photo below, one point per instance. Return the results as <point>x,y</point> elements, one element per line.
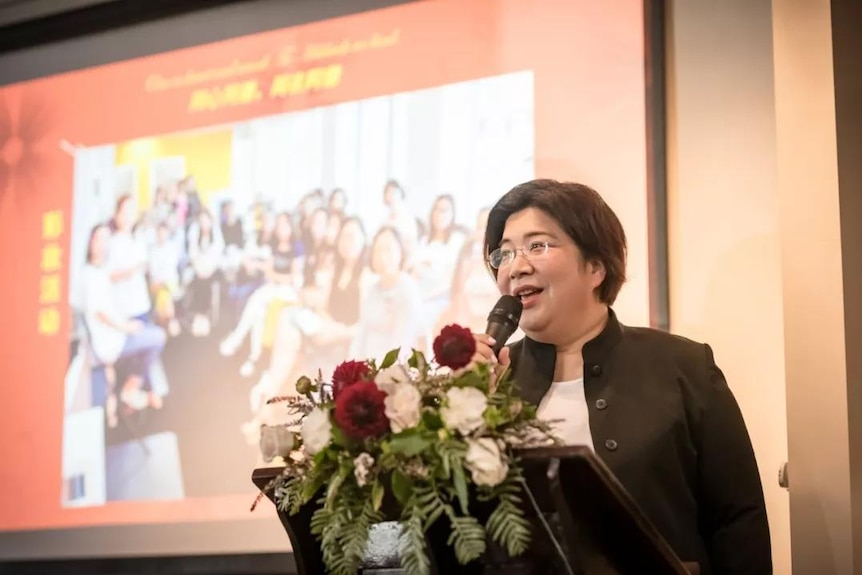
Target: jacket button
<point>596,369</point>
<point>601,404</point>
<point>611,445</point>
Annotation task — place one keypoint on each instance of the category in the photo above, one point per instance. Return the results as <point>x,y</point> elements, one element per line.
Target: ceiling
<point>18,11</point>
<point>28,23</point>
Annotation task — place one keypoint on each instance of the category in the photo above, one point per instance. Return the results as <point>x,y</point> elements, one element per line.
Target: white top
<point>435,264</point>
<point>567,401</point>
<point>131,295</point>
<point>107,341</point>
<point>405,224</point>
<point>164,264</point>
<point>389,317</point>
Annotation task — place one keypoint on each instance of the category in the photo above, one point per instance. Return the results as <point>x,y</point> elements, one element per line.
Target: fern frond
<point>289,495</point>
<point>354,540</point>
<point>319,520</point>
<point>430,504</point>
<point>329,525</point>
<point>507,524</point>
<point>508,527</point>
<point>414,552</point>
<point>468,537</point>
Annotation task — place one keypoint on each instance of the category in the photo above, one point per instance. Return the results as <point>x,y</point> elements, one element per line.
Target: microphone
<point>503,320</point>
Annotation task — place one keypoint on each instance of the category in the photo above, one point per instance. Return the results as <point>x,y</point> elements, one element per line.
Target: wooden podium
<point>599,529</point>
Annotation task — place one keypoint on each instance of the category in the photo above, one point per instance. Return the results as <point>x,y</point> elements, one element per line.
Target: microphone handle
<point>501,332</point>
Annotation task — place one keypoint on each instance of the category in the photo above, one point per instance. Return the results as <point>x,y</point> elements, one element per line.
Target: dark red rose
<point>348,373</point>
<point>454,347</point>
<point>360,411</point>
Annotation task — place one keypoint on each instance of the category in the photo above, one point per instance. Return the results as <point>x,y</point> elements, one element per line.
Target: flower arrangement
<point>424,434</point>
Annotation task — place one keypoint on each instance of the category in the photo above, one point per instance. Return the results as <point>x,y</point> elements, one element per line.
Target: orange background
<point>587,60</point>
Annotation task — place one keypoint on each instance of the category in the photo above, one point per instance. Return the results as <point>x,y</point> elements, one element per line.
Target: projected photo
<point>210,268</point>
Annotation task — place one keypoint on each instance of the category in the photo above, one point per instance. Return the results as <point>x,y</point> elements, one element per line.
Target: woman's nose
<point>520,265</point>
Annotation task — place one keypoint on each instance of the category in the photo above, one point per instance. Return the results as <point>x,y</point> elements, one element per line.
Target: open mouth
<point>529,296</point>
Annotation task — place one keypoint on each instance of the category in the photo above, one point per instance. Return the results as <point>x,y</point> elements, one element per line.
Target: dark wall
<point>847,69</point>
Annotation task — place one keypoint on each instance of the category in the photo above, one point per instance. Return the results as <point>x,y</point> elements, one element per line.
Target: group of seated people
<point>299,290</point>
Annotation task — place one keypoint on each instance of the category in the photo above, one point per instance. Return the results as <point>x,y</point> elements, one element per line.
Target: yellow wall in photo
<point>207,157</point>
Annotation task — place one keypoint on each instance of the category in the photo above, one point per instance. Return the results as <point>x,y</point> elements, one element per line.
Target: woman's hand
<point>485,354</point>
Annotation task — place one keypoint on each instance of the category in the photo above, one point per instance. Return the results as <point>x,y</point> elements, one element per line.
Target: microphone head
<point>507,310</point>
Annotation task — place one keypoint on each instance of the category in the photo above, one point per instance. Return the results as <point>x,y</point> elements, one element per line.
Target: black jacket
<point>665,422</point>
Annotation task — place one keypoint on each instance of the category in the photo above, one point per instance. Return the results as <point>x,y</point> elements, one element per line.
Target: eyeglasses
<point>504,256</point>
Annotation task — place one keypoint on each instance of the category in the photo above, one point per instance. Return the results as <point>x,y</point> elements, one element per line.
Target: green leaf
<point>313,482</point>
<point>377,492</point>
<point>452,453</point>
<point>430,503</point>
<point>402,487</point>
<point>332,489</point>
<point>354,536</point>
<point>445,468</point>
<point>473,379</point>
<point>507,524</point>
<point>432,420</point>
<point>417,360</point>
<point>386,459</point>
<point>414,555</point>
<point>468,537</point>
<point>461,487</point>
<point>320,458</point>
<point>390,358</point>
<point>494,417</point>
<point>338,437</point>
<point>528,412</point>
<point>410,443</point>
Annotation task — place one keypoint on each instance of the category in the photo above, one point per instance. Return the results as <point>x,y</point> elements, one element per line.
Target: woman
<point>164,263</point>
<point>319,338</point>
<point>206,248</point>
<point>317,267</point>
<point>253,259</point>
<point>473,293</point>
<point>337,202</point>
<point>436,256</point>
<point>653,406</point>
<point>127,263</point>
<point>116,337</point>
<point>390,313</point>
<point>283,274</point>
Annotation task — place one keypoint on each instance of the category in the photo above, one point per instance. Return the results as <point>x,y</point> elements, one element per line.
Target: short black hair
<point>581,213</point>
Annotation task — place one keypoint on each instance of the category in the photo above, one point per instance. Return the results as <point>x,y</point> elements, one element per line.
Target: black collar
<point>533,363</point>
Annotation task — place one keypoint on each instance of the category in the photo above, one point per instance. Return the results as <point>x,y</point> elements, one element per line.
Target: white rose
<point>485,462</point>
<point>361,468</point>
<point>403,406</point>
<point>316,430</point>
<point>464,409</point>
<point>387,378</point>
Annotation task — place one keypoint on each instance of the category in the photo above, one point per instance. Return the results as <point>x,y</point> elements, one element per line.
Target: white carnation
<point>316,430</point>
<point>387,378</point>
<point>485,462</point>
<point>403,406</point>
<point>464,409</point>
<point>362,467</point>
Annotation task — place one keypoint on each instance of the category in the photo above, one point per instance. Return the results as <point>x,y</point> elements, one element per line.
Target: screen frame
<point>114,31</point>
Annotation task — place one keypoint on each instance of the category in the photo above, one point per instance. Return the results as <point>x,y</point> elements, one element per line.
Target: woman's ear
<point>597,272</point>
